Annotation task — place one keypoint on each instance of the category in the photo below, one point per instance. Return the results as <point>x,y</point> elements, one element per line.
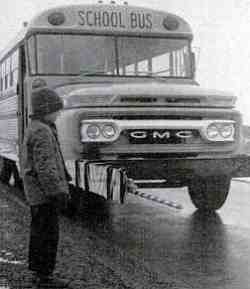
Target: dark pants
<point>44,235</point>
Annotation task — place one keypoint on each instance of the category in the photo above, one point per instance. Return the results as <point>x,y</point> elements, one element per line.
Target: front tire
<point>210,193</point>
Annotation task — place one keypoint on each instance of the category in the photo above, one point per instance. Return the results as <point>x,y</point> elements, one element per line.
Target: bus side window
<point>23,62</point>
<point>11,73</point>
<point>14,69</point>
<point>8,70</point>
<point>1,77</point>
<point>5,75</point>
<point>31,53</point>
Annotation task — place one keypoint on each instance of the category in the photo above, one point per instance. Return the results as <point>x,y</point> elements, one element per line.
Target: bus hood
<point>143,94</point>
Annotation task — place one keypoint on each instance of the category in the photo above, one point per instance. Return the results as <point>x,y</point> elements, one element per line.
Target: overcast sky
<point>221,37</point>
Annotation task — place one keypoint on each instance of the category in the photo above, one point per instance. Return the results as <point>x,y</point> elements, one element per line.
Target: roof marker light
<point>56,18</point>
<point>170,23</point>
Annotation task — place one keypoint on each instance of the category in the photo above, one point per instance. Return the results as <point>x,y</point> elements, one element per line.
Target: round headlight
<point>93,131</point>
<point>227,131</point>
<point>108,131</point>
<point>212,131</point>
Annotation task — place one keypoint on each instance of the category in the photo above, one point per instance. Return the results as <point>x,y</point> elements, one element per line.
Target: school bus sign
<point>118,19</point>
<point>115,19</point>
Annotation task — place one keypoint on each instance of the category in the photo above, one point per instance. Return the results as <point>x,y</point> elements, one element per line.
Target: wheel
<point>210,193</point>
<point>5,170</point>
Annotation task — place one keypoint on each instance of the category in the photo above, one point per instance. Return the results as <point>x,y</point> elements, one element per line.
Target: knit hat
<point>45,101</point>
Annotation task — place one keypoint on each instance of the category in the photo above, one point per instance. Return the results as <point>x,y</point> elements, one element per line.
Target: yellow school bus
<point>127,78</point>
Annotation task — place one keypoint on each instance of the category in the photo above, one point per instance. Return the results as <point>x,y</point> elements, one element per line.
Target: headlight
<point>227,130</point>
<point>108,131</point>
<point>93,131</point>
<point>99,131</point>
<point>220,131</point>
<point>212,131</point>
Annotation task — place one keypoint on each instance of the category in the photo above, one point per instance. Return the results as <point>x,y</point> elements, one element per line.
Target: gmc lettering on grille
<point>144,134</point>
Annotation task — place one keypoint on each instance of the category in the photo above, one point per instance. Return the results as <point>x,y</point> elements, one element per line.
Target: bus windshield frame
<point>128,56</point>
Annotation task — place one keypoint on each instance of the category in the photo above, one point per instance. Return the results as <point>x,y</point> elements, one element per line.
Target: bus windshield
<point>54,54</point>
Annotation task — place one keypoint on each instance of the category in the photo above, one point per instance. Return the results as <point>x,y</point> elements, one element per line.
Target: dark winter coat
<point>43,168</point>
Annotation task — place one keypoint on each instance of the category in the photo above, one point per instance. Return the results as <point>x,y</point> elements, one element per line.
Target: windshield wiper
<point>153,75</point>
<point>92,72</point>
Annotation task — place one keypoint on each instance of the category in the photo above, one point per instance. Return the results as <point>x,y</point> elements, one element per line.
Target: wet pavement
<point>142,244</point>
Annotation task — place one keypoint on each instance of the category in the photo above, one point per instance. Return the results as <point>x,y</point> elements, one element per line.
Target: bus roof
<point>105,19</point>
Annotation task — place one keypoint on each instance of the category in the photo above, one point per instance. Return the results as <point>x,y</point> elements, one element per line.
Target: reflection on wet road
<point>180,247</point>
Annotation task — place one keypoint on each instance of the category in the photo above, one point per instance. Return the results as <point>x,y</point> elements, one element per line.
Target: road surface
<point>140,245</point>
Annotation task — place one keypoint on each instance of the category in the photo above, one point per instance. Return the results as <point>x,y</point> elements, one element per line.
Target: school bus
<point>127,78</point>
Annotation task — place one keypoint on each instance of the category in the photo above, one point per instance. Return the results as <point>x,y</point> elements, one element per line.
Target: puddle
<point>8,254</point>
<point>9,258</point>
<point>13,262</point>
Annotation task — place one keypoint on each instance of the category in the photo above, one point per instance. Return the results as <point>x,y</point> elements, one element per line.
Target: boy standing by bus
<point>45,183</point>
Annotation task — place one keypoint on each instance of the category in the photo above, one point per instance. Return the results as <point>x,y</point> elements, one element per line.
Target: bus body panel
<point>9,125</point>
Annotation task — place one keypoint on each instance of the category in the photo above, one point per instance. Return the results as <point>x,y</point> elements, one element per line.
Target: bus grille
<point>159,136</point>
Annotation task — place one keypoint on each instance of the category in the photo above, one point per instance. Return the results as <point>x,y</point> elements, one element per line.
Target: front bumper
<point>181,170</point>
